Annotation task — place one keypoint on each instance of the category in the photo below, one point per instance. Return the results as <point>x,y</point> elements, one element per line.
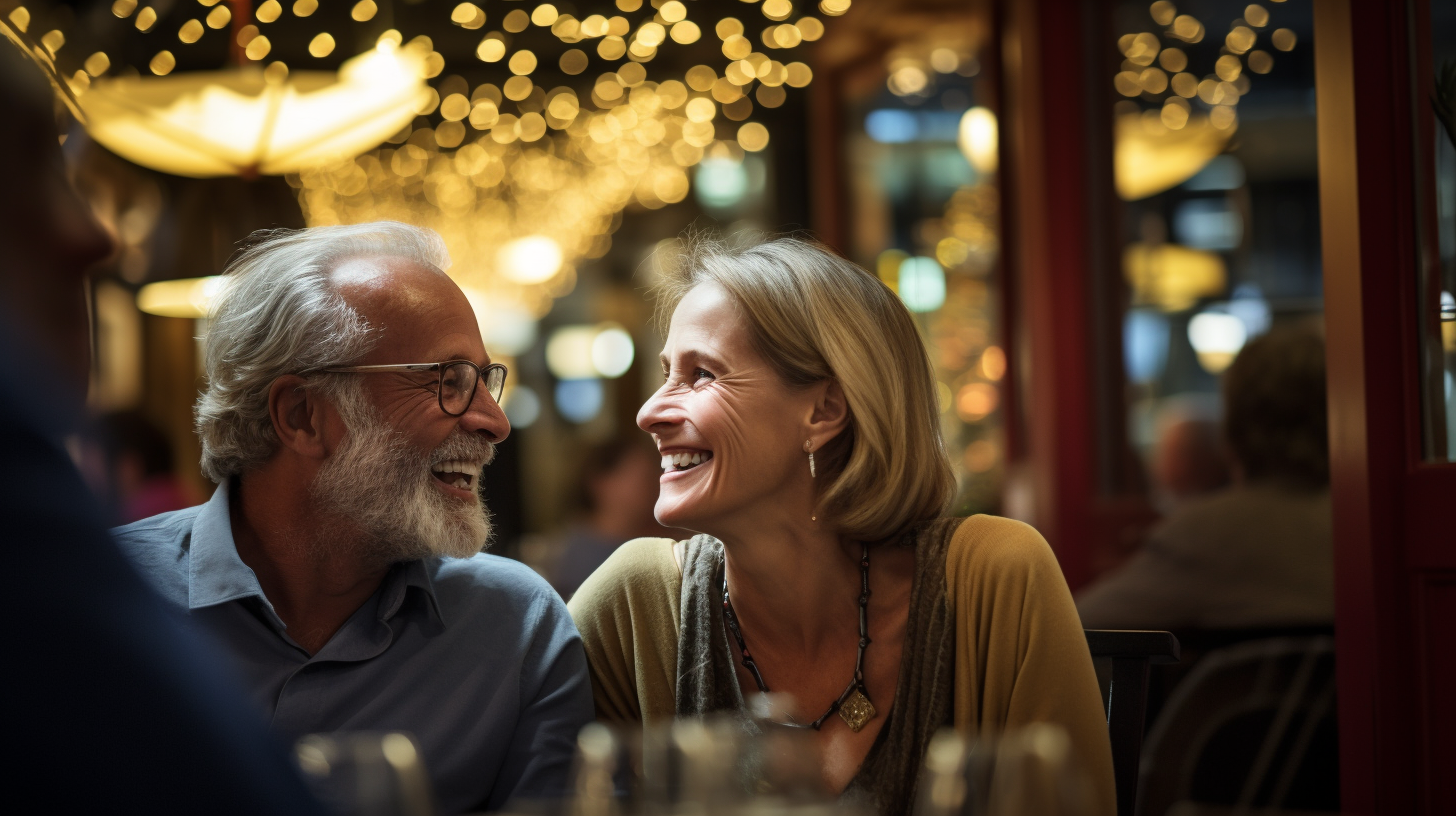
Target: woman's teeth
<point>684,461</point>
<point>457,473</point>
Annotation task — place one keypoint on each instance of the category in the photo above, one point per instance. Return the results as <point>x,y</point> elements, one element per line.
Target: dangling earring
<point>809,448</point>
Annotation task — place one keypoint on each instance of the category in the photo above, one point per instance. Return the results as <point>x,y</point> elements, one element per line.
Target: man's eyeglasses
<point>458,380</point>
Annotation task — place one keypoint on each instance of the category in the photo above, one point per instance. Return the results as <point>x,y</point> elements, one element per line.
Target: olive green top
<point>993,643</point>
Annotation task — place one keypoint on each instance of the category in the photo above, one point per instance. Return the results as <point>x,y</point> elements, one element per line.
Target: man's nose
<point>485,416</point>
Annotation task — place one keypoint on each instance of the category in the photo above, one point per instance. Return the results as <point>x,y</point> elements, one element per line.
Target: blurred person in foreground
<point>350,407</point>
<point>111,703</point>
<point>799,436</point>
<point>1260,553</point>
<point>616,492</point>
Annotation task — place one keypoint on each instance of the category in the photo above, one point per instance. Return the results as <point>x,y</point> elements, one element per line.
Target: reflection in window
<point>1214,159</point>
<point>921,149</point>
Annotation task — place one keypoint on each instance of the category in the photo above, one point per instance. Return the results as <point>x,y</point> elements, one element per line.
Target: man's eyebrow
<point>463,356</point>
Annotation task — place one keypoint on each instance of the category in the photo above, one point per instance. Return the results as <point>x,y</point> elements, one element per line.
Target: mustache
<point>464,446</point>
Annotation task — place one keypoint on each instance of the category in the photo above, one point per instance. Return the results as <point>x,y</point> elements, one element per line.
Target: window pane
<point>1215,165</point>
<point>920,148</point>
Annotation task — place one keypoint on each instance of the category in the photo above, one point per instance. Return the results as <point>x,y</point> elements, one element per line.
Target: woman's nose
<point>655,412</point>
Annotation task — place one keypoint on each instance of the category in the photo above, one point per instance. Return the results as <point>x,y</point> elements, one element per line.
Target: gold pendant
<point>857,711</point>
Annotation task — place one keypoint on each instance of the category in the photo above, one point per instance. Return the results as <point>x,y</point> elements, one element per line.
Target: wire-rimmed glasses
<point>458,380</point>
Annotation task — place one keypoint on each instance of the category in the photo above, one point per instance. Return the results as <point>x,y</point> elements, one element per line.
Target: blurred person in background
<point>615,493</point>
<point>1260,553</point>
<point>799,435</point>
<point>111,703</point>
<point>350,408</point>
<point>1189,456</point>
<point>136,467</point>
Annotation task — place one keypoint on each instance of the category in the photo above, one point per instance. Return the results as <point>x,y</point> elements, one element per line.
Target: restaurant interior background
<point>1089,206</point>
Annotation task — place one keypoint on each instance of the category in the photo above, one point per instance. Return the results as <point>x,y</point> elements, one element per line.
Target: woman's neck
<point>794,584</point>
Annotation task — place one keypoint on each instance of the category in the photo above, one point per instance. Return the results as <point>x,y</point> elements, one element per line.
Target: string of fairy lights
<point>1161,78</point>
<point>522,176</point>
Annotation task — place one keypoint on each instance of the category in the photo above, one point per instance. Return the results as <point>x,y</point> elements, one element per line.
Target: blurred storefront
<point>1089,205</point>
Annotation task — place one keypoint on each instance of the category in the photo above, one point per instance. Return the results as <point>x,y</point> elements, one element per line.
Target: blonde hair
<point>815,316</point>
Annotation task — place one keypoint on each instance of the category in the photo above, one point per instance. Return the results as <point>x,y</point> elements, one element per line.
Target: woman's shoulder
<point>642,570</point>
<point>639,564</point>
<point>984,546</point>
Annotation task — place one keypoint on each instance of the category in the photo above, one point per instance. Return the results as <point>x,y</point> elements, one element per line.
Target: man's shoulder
<point>494,587</point>
<point>158,548</point>
<point>160,527</point>
<point>484,571</point>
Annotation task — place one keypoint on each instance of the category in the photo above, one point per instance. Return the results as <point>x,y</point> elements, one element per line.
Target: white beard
<point>379,483</point>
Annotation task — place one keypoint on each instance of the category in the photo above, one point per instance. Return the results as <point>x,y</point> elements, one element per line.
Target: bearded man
<point>349,409</point>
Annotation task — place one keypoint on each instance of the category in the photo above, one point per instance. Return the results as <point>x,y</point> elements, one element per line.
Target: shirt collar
<point>404,576</point>
<point>218,575</point>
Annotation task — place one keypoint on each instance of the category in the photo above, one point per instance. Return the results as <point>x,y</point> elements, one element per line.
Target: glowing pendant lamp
<point>1149,158</point>
<point>237,123</point>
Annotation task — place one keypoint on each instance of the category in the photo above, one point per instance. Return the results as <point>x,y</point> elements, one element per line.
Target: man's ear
<point>830,414</point>
<point>299,416</point>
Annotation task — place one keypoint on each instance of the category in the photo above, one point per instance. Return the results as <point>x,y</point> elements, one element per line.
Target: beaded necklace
<point>854,704</point>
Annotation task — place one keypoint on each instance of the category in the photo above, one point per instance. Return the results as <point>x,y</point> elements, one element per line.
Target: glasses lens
<point>457,387</point>
<point>495,381</point>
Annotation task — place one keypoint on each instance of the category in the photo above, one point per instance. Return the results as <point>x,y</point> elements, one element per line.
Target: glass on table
<point>366,773</point>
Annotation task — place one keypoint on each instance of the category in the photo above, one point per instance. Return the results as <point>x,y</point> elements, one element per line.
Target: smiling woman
<point>799,437</point>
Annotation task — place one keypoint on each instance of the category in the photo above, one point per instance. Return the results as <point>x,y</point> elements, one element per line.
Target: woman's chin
<point>676,513</point>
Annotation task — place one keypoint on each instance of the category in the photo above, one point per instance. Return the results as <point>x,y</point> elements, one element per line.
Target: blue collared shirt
<point>476,658</point>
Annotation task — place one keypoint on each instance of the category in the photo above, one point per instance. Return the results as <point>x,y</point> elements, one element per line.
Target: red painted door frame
<point>1063,304</point>
<point>1395,551</point>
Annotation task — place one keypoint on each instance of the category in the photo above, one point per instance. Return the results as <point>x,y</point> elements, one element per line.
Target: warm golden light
<point>303,8</point>
<point>189,297</point>
<point>364,10</point>
<point>258,48</point>
<point>269,12</point>
<point>1172,277</point>
<point>978,139</point>
<point>322,45</point>
<point>522,62</point>
<point>234,122</point>
<point>685,32</point>
<point>190,32</point>
<point>219,17</point>
<point>534,259</point>
<point>97,64</point>
<point>161,65</point>
<point>753,137</point>
<point>1148,160</point>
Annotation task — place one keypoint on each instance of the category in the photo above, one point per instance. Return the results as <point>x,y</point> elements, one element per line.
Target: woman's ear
<point>298,417</point>
<point>830,414</point>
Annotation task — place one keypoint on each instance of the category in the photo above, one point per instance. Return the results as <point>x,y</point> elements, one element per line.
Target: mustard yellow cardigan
<point>1021,655</point>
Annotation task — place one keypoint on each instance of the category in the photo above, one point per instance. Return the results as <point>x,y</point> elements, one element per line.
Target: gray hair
<point>279,313</point>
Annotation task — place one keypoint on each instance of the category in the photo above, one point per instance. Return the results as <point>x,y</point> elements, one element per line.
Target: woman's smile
<point>677,462</point>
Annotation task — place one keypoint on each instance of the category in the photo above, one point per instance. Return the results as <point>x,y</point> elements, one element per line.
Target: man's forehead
<point>384,271</point>
<point>414,303</point>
